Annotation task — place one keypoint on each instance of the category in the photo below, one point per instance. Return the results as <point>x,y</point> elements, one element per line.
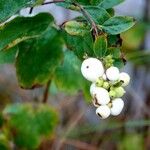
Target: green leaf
<point>98,14</point>
<point>110,3</point>
<point>76,28</point>
<point>81,45</point>
<point>111,12</point>
<point>38,59</point>
<point>114,51</point>
<point>100,46</point>
<point>30,123</point>
<point>10,7</point>
<point>114,40</point>
<point>118,24</point>
<point>8,56</point>
<point>68,77</point>
<point>118,63</point>
<point>23,28</point>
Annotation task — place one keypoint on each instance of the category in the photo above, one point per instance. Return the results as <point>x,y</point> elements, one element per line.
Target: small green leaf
<point>68,77</point>
<point>98,14</point>
<point>80,45</point>
<point>110,3</point>
<point>8,56</point>
<point>100,46</point>
<point>118,63</point>
<point>76,28</point>
<point>118,24</point>
<point>111,12</point>
<point>114,51</point>
<point>23,28</point>
<point>38,59</point>
<point>114,40</point>
<point>10,7</point>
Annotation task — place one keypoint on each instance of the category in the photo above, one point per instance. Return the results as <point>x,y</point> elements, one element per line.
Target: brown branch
<point>46,92</point>
<point>83,11</point>
<point>88,17</point>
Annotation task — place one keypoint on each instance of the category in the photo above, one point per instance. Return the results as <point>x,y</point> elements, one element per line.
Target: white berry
<point>117,106</point>
<point>100,95</point>
<point>103,111</point>
<point>125,78</point>
<point>104,77</point>
<point>92,69</point>
<point>112,73</point>
<point>92,88</point>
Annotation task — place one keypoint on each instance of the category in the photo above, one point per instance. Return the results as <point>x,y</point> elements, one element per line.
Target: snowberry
<point>92,69</point>
<point>104,77</point>
<point>112,73</point>
<point>103,111</point>
<point>101,96</point>
<point>125,78</point>
<point>117,106</point>
<point>92,88</point>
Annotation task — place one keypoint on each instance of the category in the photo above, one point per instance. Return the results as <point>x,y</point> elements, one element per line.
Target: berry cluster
<point>107,86</point>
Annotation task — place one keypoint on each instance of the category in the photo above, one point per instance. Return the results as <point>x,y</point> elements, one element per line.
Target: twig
<point>46,92</point>
<point>88,17</point>
<point>83,11</point>
<point>31,10</point>
<point>75,119</point>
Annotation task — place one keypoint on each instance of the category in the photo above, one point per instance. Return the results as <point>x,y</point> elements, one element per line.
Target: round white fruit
<point>125,78</point>
<point>100,95</point>
<point>117,106</point>
<point>92,69</point>
<point>92,88</point>
<point>104,77</point>
<point>103,111</point>
<point>112,73</point>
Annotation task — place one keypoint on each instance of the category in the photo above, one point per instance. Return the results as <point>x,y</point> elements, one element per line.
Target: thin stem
<point>83,11</point>
<point>58,1</point>
<point>46,92</point>
<point>31,10</point>
<point>91,21</point>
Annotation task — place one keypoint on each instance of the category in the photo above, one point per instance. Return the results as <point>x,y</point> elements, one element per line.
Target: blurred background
<point>79,127</point>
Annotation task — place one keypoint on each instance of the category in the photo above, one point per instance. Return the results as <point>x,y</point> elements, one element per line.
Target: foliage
<point>27,124</point>
<point>43,52</point>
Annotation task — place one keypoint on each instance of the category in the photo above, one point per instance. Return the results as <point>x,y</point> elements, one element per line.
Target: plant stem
<point>46,92</point>
<point>88,17</point>
<point>31,9</point>
<point>83,11</point>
